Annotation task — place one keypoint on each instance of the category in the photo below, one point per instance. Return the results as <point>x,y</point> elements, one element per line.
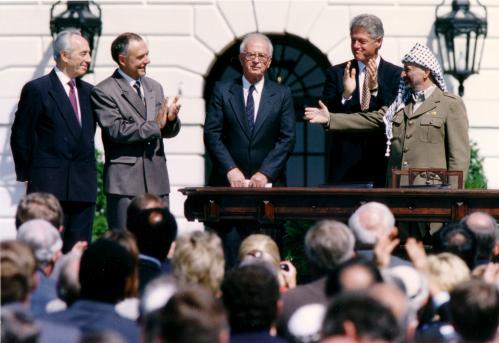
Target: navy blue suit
<point>56,154</point>
<point>358,156</point>
<point>231,143</point>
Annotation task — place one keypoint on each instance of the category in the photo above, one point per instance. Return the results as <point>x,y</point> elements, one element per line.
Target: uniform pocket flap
<point>433,121</point>
<point>397,119</point>
<point>124,159</point>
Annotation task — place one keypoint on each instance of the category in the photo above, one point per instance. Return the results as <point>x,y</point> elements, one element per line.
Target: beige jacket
<point>435,136</point>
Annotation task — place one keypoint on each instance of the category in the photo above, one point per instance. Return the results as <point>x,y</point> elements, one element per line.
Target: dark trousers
<point>78,222</point>
<point>117,206</point>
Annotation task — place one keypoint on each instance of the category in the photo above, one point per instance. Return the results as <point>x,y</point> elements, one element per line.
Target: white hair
<point>63,42</point>
<point>254,35</point>
<point>369,221</point>
<point>43,238</point>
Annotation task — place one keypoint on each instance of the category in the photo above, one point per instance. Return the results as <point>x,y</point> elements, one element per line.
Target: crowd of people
<point>148,284</point>
<point>142,282</point>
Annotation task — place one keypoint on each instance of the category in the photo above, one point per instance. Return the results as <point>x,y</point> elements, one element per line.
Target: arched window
<point>300,65</point>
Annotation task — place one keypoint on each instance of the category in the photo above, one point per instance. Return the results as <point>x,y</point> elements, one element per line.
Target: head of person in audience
<point>412,282</point>
<point>192,315</point>
<point>369,222</point>
<point>18,327</point>
<point>199,259</point>
<point>250,294</point>
<point>445,271</point>
<point>40,206</point>
<point>360,317</point>
<point>142,202</point>
<point>263,247</point>
<point>474,308</point>
<point>105,269</point>
<point>327,244</point>
<point>154,297</point>
<point>127,240</point>
<point>457,239</point>
<point>484,226</point>
<point>154,229</point>
<point>45,241</point>
<point>397,301</point>
<point>17,266</point>
<point>68,282</point>
<point>356,273</point>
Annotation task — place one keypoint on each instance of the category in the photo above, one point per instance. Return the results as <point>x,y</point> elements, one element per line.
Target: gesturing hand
<point>372,74</point>
<point>349,82</point>
<point>162,115</point>
<point>317,115</point>
<point>174,108</point>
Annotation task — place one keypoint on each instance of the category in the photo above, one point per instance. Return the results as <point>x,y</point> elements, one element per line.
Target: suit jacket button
<point>406,149</point>
<point>405,164</point>
<point>408,136</point>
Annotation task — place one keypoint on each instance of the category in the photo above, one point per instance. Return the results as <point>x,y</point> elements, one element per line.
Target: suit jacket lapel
<point>150,100</point>
<point>130,95</point>
<point>266,98</point>
<point>87,120</point>
<point>236,101</point>
<point>63,104</point>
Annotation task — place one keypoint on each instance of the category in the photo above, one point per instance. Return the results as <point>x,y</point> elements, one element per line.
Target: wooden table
<point>276,205</point>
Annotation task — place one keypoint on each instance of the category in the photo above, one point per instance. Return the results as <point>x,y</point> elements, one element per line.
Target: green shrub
<point>476,177</point>
<point>100,221</point>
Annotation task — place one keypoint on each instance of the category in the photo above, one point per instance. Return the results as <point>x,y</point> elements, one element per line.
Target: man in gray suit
<point>134,117</point>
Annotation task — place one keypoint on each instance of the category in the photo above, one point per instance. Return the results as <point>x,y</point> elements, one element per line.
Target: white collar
<point>62,77</point>
<point>258,85</point>
<point>129,79</point>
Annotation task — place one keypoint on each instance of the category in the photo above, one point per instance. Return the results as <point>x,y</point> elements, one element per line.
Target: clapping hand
<point>349,81</point>
<point>168,111</point>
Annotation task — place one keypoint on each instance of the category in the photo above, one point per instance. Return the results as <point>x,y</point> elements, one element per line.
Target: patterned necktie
<point>366,94</point>
<point>136,85</point>
<point>250,108</point>
<point>72,99</point>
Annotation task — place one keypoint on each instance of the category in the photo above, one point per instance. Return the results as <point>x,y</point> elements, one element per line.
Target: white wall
<point>185,38</point>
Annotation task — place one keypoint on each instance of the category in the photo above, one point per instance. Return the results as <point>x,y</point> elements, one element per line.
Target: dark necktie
<point>250,108</point>
<point>72,99</point>
<point>136,85</point>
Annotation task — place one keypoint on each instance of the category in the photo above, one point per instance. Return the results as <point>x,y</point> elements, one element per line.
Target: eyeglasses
<point>250,56</point>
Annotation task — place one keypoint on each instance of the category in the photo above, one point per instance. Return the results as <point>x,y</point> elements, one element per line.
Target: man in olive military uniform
<point>425,126</point>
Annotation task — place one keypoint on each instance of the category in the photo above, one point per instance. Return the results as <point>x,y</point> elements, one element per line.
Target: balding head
<point>370,221</point>
<point>484,227</point>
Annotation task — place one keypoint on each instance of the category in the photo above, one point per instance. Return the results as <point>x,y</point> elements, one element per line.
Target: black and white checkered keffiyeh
<point>420,55</point>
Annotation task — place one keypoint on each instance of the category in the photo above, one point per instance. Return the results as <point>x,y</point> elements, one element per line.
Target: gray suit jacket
<point>135,160</point>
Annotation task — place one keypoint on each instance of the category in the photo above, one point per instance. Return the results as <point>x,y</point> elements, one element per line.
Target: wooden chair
<point>433,177</point>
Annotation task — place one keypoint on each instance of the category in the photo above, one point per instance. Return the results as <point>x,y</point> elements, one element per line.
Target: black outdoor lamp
<point>79,16</point>
<point>461,37</point>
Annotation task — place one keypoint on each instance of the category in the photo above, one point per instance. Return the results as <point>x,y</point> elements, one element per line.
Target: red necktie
<point>72,99</point>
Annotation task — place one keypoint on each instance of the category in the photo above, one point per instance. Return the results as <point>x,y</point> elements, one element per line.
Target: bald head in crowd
<point>370,221</point>
<point>484,226</point>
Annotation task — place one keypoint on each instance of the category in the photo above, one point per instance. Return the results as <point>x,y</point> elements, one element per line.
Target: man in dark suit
<point>52,137</point>
<point>135,117</point>
<point>250,125</point>
<point>358,157</point>
<point>249,131</point>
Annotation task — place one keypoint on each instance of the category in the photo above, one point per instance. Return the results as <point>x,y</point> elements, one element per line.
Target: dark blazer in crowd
<point>354,156</point>
<point>94,316</point>
<point>231,143</point>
